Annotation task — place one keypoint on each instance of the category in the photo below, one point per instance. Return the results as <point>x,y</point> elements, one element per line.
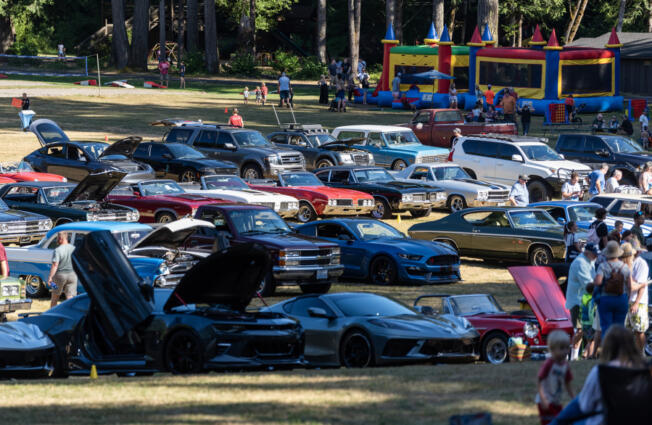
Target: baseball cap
<point>523,177</point>
<point>638,214</point>
<point>591,247</point>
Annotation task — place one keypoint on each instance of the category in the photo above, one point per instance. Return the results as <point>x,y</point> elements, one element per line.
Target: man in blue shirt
<point>596,179</point>
<point>580,274</point>
<point>284,90</point>
<point>519,196</point>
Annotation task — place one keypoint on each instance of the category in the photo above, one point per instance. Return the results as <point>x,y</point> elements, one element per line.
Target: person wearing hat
<point>613,282</point>
<point>580,274</point>
<point>637,316</point>
<point>519,196</point>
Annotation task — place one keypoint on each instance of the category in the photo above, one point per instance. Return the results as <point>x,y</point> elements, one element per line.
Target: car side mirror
<point>602,152</point>
<point>516,157</point>
<point>561,220</point>
<point>230,146</point>
<point>319,313</point>
<point>561,155</point>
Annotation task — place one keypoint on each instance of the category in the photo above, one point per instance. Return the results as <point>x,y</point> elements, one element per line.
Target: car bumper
<point>36,363</point>
<point>423,273</point>
<point>288,275</point>
<point>275,170</point>
<point>492,203</point>
<point>404,206</point>
<point>7,306</point>
<point>288,213</point>
<point>347,210</point>
<point>22,239</point>
<point>399,350</point>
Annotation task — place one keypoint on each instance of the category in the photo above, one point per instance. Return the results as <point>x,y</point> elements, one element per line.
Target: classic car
<point>301,260</point>
<point>13,296</point>
<point>66,202</point>
<point>624,206</point>
<point>26,352</point>
<point>234,189</point>
<point>23,172</point>
<point>122,326</point>
<point>390,195</point>
<point>392,147</point>
<point>496,326</point>
<point>180,162</point>
<point>358,329</point>
<point>500,233</point>
<point>32,263</point>
<point>77,159</point>
<point>21,227</point>
<point>159,201</point>
<point>373,250</point>
<point>320,148</point>
<point>462,190</point>
<point>315,198</point>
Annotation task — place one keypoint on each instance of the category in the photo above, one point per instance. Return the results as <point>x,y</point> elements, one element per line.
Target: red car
<point>317,199</point>
<point>541,290</point>
<point>160,201</point>
<point>12,172</point>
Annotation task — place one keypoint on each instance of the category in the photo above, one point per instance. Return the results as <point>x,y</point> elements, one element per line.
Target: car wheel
<point>267,286</point>
<point>446,242</point>
<point>456,203</point>
<point>34,287</point>
<point>381,209</point>
<point>251,172</point>
<point>399,165</point>
<point>420,213</point>
<point>306,212</point>
<point>183,353</point>
<point>540,256</point>
<point>324,162</point>
<point>187,176</point>
<point>538,191</point>
<point>316,288</point>
<point>356,350</point>
<point>494,348</point>
<point>165,217</point>
<point>382,271</point>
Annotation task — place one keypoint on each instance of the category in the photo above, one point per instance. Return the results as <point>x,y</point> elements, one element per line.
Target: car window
<point>341,176</point>
<point>480,148</point>
<point>179,135</point>
<point>53,243</point>
<point>323,176</point>
<point>51,133</point>
<point>375,139</point>
<point>602,201</point>
<point>55,151</point>
<point>594,144</point>
<point>450,173</point>
<point>623,145</point>
<point>443,116</point>
<point>223,138</point>
<point>572,143</point>
<point>297,141</point>
<point>206,139</point>
<point>215,217</point>
<point>308,230</point>
<point>75,154</point>
<point>421,173</point>
<point>158,150</point>
<point>556,212</point>
<point>279,138</point>
<point>487,219</point>
<point>350,135</point>
<point>582,212</point>
<point>438,304</point>
<point>301,305</point>
<point>250,139</point>
<point>628,208</point>
<point>505,151</point>
<point>142,150</point>
<point>421,118</point>
<point>532,219</point>
<point>21,194</point>
<point>77,239</point>
<point>332,230</point>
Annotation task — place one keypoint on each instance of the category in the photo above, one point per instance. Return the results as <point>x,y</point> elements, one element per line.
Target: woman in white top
<point>573,244</point>
<point>645,180</point>
<point>452,96</point>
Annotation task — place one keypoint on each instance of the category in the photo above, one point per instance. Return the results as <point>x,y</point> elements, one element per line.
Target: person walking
<point>25,114</point>
<point>580,274</point>
<point>236,120</point>
<point>526,118</point>
<point>572,190</point>
<point>596,179</point>
<point>637,317</point>
<point>284,90</point>
<point>182,75</point>
<point>519,195</point>
<point>263,92</point>
<point>163,68</point>
<point>489,96</point>
<point>613,281</point>
<point>639,220</point>
<point>612,185</point>
<point>554,376</point>
<point>323,90</point>
<point>61,272</point>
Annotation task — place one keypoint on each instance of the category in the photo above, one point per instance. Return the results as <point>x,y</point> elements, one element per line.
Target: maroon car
<point>160,201</point>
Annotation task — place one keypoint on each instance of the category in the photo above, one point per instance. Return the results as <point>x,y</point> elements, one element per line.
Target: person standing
<point>323,91</point>
<point>580,274</point>
<point>643,119</point>
<point>259,95</point>
<point>569,103</point>
<point>639,220</point>
<point>612,185</point>
<point>332,71</point>
<point>596,179</point>
<point>24,102</point>
<point>4,265</point>
<point>396,86</point>
<point>340,95</point>
<point>526,118</point>
<point>626,126</point>
<point>613,280</point>
<point>452,96</point>
<point>351,86</point>
<point>645,179</point>
<point>637,316</point>
<point>519,195</point>
<point>573,244</point>
<point>364,82</point>
<point>284,90</point>
<point>456,133</point>
<point>479,97</point>
<point>236,120</point>
<point>509,106</point>
<point>245,95</point>
<point>598,231</point>
<point>346,69</point>
<point>61,273</point>
<point>572,190</point>
<point>182,75</point>
<point>263,92</point>
<point>553,377</point>
<point>163,68</point>
<point>489,96</point>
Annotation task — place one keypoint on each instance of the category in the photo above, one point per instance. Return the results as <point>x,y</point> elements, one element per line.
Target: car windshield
<point>540,153</point>
<point>320,139</point>
<point>374,175</point>
<point>160,188</point>
<point>582,212</point>
<point>621,144</point>
<point>469,305</point>
<point>94,149</point>
<point>300,179</point>
<point>250,138</point>
<point>401,138</point>
<point>376,229</point>
<point>15,167</point>
<point>129,238</point>
<point>450,173</point>
<point>370,305</point>
<point>250,222</point>
<point>224,182</point>
<point>533,219</point>
<point>180,151</point>
<point>56,195</point>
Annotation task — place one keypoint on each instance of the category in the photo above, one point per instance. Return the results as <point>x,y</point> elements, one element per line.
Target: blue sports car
<point>376,251</point>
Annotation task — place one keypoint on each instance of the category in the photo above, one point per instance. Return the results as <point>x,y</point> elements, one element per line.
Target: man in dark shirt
<point>601,229</point>
<point>639,220</point>
<point>24,102</point>
<point>626,127</point>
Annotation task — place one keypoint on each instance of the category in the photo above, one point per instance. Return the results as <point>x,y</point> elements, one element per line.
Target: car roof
<point>346,220</point>
<point>646,198</point>
<point>42,184</point>
<point>349,167</point>
<point>506,209</point>
<point>563,203</point>
<point>371,127</point>
<point>221,127</point>
<point>112,226</point>
<point>519,140</point>
<point>84,143</point>
<point>236,206</point>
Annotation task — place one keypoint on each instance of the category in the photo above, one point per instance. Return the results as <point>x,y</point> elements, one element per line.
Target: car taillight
<point>450,156</point>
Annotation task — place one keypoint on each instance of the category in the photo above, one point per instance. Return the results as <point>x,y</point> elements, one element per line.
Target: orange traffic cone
<point>106,138</point>
<point>226,110</point>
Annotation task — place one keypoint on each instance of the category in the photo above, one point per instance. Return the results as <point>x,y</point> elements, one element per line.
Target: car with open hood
<point>21,171</point>
<point>122,325</point>
<point>359,329</point>
<point>77,159</point>
<point>21,227</point>
<point>547,313</point>
<point>25,351</point>
<point>66,202</point>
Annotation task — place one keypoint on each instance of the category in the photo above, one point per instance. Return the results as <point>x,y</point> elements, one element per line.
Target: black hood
<point>638,158</point>
<point>125,147</point>
<point>230,277</point>
<point>95,187</point>
<point>345,142</point>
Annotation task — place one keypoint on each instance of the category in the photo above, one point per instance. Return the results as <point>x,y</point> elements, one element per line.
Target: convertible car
<point>500,233</point>
<point>376,251</point>
<point>123,326</point>
<point>355,329</point>
<point>23,172</point>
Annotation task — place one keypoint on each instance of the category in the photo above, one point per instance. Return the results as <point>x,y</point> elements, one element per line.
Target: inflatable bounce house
<point>542,75</point>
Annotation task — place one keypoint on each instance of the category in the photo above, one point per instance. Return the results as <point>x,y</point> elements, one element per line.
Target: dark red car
<point>160,201</point>
<point>541,290</point>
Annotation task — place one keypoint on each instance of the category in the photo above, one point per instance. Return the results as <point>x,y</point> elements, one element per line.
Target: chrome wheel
<point>187,176</point>
<point>165,218</point>
<point>306,213</point>
<point>398,165</point>
<point>183,353</point>
<point>381,209</point>
<point>356,350</point>
<point>324,163</point>
<point>495,349</point>
<point>456,203</point>
<point>540,256</point>
<point>34,287</point>
<point>251,173</point>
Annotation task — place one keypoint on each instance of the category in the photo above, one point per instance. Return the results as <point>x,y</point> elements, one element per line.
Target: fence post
<point>99,79</point>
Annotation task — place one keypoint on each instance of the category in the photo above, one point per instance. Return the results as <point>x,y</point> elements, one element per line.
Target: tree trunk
<point>520,30</point>
<point>161,30</point>
<point>192,25</point>
<point>358,17</point>
<point>6,33</point>
<point>577,22</point>
<point>390,12</point>
<point>451,23</point>
<point>621,15</point>
<point>573,15</point>
<point>252,22</point>
<point>119,43</point>
<point>438,15</point>
<point>513,28</point>
<point>488,15</point>
<point>353,19</point>
<point>466,13</point>
<point>398,20</point>
<point>180,31</point>
<point>649,19</point>
<point>210,36</point>
<point>139,36</point>
<point>321,31</point>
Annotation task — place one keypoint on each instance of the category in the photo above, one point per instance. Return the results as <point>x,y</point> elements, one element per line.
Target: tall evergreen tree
<point>119,42</point>
<point>192,24</point>
<point>321,31</point>
<point>210,37</point>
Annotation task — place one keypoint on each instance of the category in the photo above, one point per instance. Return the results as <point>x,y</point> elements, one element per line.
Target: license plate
<point>501,204</point>
<point>322,274</point>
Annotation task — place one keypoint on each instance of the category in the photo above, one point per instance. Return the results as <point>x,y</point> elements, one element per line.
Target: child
<point>263,93</point>
<point>245,93</point>
<point>587,313</point>
<point>616,233</point>
<point>258,95</point>
<point>554,375</point>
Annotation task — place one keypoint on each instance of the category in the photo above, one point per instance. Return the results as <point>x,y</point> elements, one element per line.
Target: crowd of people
<point>344,80</point>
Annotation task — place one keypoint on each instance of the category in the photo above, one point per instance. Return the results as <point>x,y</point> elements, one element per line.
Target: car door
<point>422,127</point>
<point>340,178</point>
<point>206,143</point>
<point>375,144</point>
<point>479,157</point>
<point>161,164</point>
<point>322,342</point>
<point>506,168</point>
<point>597,152</point>
<point>77,165</point>
<point>350,250</point>
<point>572,147</point>
<point>491,234</point>
<point>55,160</point>
<point>224,152</point>
<point>300,143</point>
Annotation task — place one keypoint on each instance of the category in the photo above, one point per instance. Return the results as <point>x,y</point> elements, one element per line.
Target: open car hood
<point>541,290</point>
<point>95,187</point>
<point>348,142</point>
<point>173,122</point>
<point>172,235</point>
<point>125,147</point>
<point>48,131</point>
<point>230,278</point>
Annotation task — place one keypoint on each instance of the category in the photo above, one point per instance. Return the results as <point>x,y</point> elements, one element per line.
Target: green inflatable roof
<point>427,50</point>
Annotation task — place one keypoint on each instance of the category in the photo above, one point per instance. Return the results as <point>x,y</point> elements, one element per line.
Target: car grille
<point>285,206</point>
<point>447,346</point>
<point>398,347</point>
<point>267,204</point>
<point>361,159</point>
<point>112,216</point>
<point>21,227</point>
<point>311,257</point>
<point>430,158</point>
<point>344,202</point>
<point>443,260</point>
<point>272,348</point>
<point>291,159</point>
<point>498,195</point>
<point>419,197</point>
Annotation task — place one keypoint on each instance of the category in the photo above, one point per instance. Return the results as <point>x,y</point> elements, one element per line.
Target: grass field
<point>401,395</point>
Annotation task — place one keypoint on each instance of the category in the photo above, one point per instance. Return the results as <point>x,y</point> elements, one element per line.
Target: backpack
<point>593,233</point>
<point>615,285</point>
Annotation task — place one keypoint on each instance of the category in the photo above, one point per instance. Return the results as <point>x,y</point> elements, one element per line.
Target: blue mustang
<point>32,263</point>
<point>376,251</point>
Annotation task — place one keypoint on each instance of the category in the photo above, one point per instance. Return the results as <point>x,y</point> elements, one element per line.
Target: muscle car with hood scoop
<point>21,227</point>
<point>123,326</point>
<point>66,202</point>
<point>76,159</point>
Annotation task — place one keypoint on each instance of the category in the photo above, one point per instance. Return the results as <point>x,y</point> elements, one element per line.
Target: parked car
<point>66,202</point>
<point>159,201</point>
<point>462,190</point>
<point>317,199</point>
<point>319,148</point>
<point>77,159</point>
<point>375,251</point>
<point>502,158</point>
<point>21,171</point>
<point>510,234</point>
<point>301,260</point>
<point>120,327</point>
<point>234,189</point>
<point>390,195</point>
<point>619,152</point>
<point>434,127</point>
<point>255,156</point>
<point>26,352</point>
<point>622,207</point>
<point>12,297</point>
<point>496,326</point>
<point>21,227</point>
<point>359,329</point>
<point>392,147</point>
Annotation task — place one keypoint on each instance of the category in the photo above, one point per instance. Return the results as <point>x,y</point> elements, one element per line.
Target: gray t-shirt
<point>63,256</point>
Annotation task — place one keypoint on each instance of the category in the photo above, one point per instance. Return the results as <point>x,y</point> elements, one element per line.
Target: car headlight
<point>483,195</point>
<point>440,196</point>
<point>465,323</point>
<point>332,202</point>
<point>65,180</point>
<point>530,330</point>
<point>371,160</point>
<point>3,227</point>
<point>293,205</point>
<point>369,202</point>
<point>274,159</point>
<point>346,158</point>
<point>91,217</point>
<point>289,254</point>
<point>411,257</point>
<point>163,269</point>
<point>406,198</point>
<point>135,215</point>
<point>160,281</point>
<point>207,170</point>
<point>45,224</point>
<point>14,290</point>
<point>5,291</point>
<point>418,160</point>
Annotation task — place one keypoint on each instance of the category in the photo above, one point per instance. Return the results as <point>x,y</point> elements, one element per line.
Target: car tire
<point>267,286</point>
<point>540,256</point>
<point>447,242</point>
<point>251,172</point>
<point>306,212</point>
<point>61,221</point>
<point>420,213</point>
<point>323,163</point>
<point>165,217</point>
<point>383,271</point>
<point>381,209</point>
<point>316,288</point>
<point>356,350</point>
<point>399,165</point>
<point>183,353</point>
<point>494,348</point>
<point>187,176</point>
<point>34,287</point>
<point>538,191</point>
<point>456,203</point>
